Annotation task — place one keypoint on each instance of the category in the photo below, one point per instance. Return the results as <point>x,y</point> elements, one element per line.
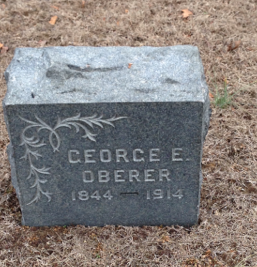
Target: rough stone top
<point>105,74</point>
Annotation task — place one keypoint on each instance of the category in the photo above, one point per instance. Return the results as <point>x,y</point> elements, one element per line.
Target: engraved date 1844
<point>85,195</point>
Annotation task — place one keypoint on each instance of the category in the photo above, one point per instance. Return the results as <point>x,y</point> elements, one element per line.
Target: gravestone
<point>107,135</point>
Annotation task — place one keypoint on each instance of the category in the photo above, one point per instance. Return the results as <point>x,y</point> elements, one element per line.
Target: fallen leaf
<point>55,7</point>
<point>118,23</point>
<point>237,43</point>
<point>126,11</point>
<point>165,239</point>
<point>83,3</point>
<point>209,165</point>
<point>99,246</point>
<point>4,49</point>
<point>251,48</point>
<point>1,45</point>
<point>186,13</point>
<point>216,212</point>
<point>53,20</point>
<point>129,65</point>
<point>75,43</point>
<point>208,252</point>
<point>211,95</point>
<point>233,45</point>
<point>225,80</point>
<point>3,6</point>
<point>93,236</point>
<point>42,43</point>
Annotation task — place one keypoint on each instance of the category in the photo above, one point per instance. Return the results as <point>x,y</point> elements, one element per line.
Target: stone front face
<point>99,163</point>
<point>130,164</point>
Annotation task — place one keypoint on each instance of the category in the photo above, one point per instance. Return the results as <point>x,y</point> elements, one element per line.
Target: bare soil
<point>227,231</point>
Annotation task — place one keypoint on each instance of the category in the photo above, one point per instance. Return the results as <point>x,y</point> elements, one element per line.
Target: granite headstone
<point>107,135</point>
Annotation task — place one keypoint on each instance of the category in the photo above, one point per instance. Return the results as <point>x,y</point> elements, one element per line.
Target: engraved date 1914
<point>150,194</point>
<point>163,194</point>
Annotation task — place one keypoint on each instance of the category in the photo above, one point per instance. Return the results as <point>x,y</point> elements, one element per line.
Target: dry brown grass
<point>227,230</point>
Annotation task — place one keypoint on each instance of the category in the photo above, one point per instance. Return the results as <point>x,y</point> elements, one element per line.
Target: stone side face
<point>135,159</point>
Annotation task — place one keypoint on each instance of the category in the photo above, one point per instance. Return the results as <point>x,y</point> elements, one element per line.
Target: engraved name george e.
<point>121,155</point>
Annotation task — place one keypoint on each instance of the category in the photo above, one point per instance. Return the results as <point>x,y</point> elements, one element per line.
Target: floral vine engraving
<point>32,143</point>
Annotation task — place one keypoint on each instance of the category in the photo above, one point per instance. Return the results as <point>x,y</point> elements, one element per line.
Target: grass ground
<point>227,230</point>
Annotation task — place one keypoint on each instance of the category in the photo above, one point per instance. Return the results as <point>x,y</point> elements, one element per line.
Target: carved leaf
<point>44,170</point>
<point>74,118</point>
<point>35,183</point>
<point>107,122</point>
<point>35,154</point>
<point>75,126</point>
<point>55,145</point>
<point>29,176</point>
<point>43,123</point>
<point>97,123</point>
<point>87,122</point>
<point>48,195</point>
<point>91,137</point>
<point>39,144</point>
<point>42,181</point>
<point>28,121</point>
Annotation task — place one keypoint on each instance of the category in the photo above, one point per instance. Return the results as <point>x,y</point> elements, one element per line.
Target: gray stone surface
<point>96,140</point>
